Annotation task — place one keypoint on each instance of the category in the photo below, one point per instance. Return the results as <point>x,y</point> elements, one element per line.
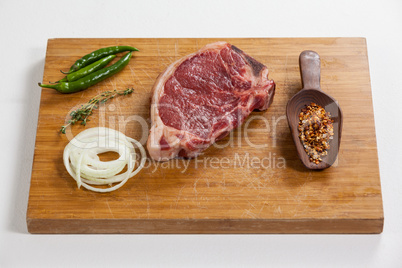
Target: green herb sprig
<point>86,110</point>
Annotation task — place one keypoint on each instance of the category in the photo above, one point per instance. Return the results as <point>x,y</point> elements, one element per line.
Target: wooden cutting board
<point>250,182</point>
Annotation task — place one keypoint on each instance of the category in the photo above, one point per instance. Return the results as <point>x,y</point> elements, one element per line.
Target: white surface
<point>25,28</point>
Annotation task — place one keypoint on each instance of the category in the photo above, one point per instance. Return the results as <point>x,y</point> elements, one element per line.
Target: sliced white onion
<point>82,162</point>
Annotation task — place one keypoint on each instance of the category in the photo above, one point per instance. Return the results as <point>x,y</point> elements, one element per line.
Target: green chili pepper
<point>97,65</point>
<point>91,79</point>
<point>98,54</point>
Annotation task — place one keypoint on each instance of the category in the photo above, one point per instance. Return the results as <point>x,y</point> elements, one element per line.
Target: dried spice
<point>315,131</point>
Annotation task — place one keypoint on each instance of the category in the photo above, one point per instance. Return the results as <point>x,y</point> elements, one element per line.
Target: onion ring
<point>82,162</point>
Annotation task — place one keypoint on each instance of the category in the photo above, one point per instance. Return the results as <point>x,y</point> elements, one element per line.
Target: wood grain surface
<point>250,182</point>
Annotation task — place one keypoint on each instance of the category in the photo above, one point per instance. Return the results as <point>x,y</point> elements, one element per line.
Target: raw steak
<point>200,98</point>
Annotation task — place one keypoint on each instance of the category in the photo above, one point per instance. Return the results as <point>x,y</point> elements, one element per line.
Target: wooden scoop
<point>309,62</point>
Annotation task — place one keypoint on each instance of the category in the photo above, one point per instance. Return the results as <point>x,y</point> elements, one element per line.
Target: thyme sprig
<point>86,110</point>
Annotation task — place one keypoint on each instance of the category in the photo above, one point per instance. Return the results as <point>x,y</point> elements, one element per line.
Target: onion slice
<point>82,162</point>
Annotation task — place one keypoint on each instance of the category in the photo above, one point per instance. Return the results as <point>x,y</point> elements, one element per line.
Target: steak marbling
<point>200,98</point>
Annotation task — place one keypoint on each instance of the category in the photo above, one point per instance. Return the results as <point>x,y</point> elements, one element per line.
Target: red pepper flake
<point>315,131</point>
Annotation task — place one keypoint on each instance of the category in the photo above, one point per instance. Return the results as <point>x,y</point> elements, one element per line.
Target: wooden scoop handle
<point>310,69</point>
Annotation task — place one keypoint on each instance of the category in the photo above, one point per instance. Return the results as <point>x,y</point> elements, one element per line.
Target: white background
<point>25,27</point>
